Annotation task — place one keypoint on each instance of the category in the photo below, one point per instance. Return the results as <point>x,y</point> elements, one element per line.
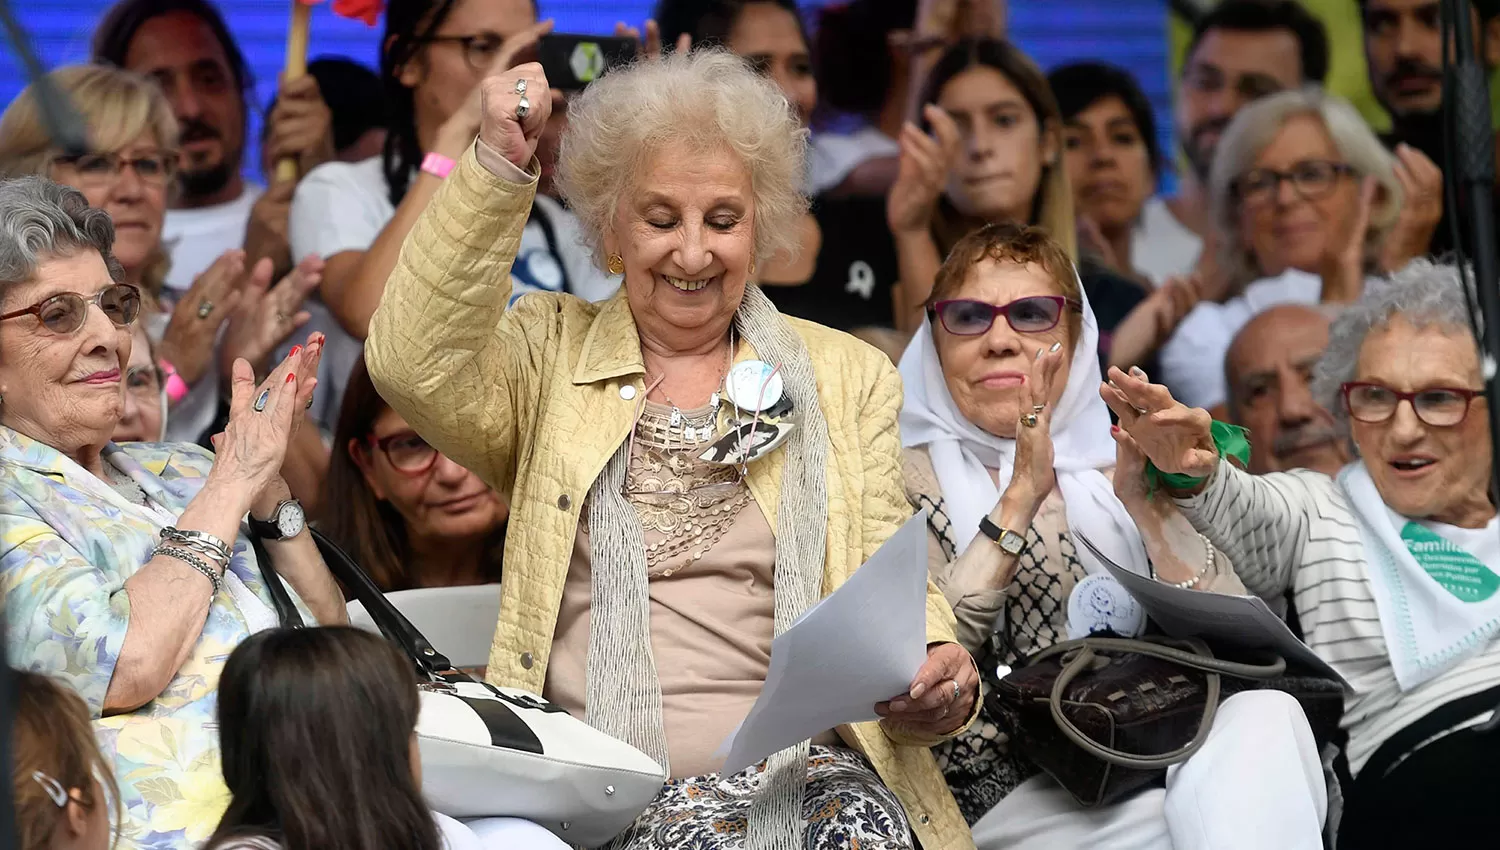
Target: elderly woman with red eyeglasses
<point>126,569</point>
<point>1394,563</point>
<point>410,515</point>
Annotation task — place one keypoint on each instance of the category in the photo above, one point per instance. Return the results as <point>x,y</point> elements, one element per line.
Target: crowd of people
<point>668,357</point>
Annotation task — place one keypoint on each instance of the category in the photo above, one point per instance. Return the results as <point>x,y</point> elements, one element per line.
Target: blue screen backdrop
<point>1129,33</point>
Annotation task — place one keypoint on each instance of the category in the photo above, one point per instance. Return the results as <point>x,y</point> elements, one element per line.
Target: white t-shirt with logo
<point>343,206</point>
<point>195,238</point>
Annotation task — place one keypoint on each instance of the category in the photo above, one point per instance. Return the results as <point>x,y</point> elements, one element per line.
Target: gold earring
<point>615,263</point>
<point>752,268</point>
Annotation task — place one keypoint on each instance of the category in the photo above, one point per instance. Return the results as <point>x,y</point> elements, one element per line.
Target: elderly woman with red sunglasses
<point>1008,448</point>
<point>124,569</point>
<point>1394,563</point>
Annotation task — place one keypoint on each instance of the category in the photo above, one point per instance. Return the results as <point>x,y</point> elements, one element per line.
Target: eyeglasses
<point>66,312</point>
<point>1032,315</point>
<point>480,49</point>
<point>1211,80</point>
<point>406,451</point>
<point>1313,179</point>
<point>98,170</point>
<point>1440,407</point>
<point>144,382</point>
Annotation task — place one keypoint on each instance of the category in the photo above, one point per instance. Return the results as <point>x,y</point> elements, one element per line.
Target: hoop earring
<point>615,263</point>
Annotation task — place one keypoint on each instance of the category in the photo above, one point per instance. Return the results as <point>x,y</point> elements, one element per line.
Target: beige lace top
<point>711,557</point>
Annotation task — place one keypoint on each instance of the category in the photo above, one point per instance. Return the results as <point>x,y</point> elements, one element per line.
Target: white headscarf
<point>962,452</point>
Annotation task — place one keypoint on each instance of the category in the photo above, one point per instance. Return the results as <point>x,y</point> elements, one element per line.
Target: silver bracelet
<point>198,541</point>
<point>197,563</point>
<point>1208,565</point>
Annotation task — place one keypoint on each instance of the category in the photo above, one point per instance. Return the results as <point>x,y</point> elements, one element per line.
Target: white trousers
<point>1257,784</point>
<point>496,834</point>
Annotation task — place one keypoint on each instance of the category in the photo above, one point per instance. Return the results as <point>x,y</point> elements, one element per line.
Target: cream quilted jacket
<point>538,398</point>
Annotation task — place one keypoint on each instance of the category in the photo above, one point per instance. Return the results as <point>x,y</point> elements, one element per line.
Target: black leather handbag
<point>1106,716</point>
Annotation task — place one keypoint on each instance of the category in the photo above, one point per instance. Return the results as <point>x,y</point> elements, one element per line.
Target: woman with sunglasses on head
<point>61,784</point>
<point>410,515</point>
<point>1392,562</point>
<point>990,150</point>
<point>126,570</point>
<point>355,215</point>
<point>229,312</point>
<point>1007,447</point>
<point>1309,203</point>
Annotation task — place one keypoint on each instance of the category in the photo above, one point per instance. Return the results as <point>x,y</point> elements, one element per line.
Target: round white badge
<point>1099,603</point>
<point>753,386</point>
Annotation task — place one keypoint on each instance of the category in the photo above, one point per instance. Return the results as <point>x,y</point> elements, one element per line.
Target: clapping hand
<point>1421,208</point>
<point>188,343</point>
<point>267,316</point>
<point>264,417</point>
<point>923,172</point>
<point>1343,264</point>
<point>1034,475</point>
<point>650,47</point>
<point>1152,322</point>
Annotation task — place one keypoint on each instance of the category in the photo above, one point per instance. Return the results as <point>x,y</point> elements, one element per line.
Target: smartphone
<point>574,61</point>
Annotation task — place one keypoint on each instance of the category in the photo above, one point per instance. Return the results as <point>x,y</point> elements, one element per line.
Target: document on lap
<point>860,645</point>
<point>1244,622</point>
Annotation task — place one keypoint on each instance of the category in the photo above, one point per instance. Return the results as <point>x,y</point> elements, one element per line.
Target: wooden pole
<point>296,67</point>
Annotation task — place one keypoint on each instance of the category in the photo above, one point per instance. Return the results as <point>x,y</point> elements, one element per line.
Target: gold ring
<point>1029,420</point>
<point>1038,408</point>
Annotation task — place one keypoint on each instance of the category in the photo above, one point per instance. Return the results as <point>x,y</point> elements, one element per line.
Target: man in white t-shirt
<point>186,47</point>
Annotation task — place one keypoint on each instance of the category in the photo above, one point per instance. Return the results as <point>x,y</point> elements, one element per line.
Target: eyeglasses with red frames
<point>66,312</point>
<point>406,452</point>
<point>1439,407</point>
<point>1031,315</point>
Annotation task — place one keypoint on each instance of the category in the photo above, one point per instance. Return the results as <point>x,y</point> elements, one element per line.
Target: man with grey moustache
<point>1268,370</point>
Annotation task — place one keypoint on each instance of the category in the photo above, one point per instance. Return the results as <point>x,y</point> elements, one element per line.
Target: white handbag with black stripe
<point>501,752</point>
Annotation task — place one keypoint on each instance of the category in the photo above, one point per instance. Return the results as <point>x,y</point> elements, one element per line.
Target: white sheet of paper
<point>860,645</point>
<point>1240,621</point>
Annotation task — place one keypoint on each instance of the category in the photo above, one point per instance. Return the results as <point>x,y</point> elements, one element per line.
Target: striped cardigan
<point>1297,531</point>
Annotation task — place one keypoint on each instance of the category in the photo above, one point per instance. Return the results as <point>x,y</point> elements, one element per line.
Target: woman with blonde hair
<point>63,786</point>
<point>1309,204</point>
<point>129,173</point>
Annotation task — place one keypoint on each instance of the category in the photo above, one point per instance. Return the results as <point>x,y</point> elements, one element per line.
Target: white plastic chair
<point>459,622</point>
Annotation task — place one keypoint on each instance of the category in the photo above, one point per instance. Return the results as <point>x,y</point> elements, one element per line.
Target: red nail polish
<point>291,376</point>
<point>295,349</point>
<point>1114,429</point>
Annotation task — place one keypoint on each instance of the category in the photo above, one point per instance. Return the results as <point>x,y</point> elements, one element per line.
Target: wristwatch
<point>1009,542</point>
<point>286,522</point>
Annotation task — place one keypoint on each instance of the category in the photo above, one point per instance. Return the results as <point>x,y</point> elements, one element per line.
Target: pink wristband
<point>176,387</point>
<point>437,165</point>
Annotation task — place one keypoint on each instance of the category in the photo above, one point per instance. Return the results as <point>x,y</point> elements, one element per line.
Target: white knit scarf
<point>624,691</point>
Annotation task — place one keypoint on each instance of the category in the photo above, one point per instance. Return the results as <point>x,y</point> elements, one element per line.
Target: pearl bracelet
<point>1208,565</point>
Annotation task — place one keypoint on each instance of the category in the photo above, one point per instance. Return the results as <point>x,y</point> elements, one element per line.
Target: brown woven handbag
<point>1106,716</point>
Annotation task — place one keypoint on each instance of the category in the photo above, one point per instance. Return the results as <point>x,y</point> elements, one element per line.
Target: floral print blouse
<point>68,542</point>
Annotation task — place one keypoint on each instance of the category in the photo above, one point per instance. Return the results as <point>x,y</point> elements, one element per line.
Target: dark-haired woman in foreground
<point>320,752</point>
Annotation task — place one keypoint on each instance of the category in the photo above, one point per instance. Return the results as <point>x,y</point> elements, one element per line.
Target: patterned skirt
<point>845,806</point>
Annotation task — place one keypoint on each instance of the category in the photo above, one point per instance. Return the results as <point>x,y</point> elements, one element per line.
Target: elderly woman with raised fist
<point>648,511</point>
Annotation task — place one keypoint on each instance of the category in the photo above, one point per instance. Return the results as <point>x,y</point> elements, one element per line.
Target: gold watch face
<point>1012,542</point>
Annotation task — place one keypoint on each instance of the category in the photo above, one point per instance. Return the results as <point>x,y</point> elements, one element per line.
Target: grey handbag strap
<point>1078,656</point>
